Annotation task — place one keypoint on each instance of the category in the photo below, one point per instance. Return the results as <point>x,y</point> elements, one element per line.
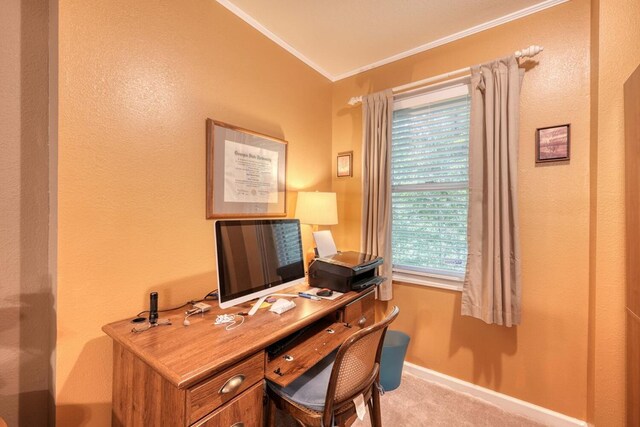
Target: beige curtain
<point>377,112</point>
<point>492,283</point>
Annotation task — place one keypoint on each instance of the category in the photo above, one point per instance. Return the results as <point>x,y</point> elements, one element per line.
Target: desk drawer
<point>243,411</point>
<point>361,312</point>
<point>208,395</point>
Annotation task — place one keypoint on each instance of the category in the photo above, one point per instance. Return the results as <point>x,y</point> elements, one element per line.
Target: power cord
<point>148,326</point>
<point>168,309</point>
<point>235,323</point>
<point>230,319</point>
<point>200,307</point>
<point>211,296</point>
<point>186,322</point>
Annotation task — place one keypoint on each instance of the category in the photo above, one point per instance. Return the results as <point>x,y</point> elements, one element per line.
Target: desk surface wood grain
<point>185,355</point>
<point>310,349</point>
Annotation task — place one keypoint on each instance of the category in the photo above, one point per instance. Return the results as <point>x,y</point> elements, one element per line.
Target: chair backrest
<point>356,365</point>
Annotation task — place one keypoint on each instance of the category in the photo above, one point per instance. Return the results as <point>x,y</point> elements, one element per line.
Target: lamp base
<point>310,256</point>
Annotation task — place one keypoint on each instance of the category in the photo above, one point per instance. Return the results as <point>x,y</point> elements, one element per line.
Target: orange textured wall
<point>543,361</point>
<point>619,56</point>
<point>137,81</point>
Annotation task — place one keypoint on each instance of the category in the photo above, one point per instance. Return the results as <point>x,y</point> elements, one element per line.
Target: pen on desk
<point>309,296</point>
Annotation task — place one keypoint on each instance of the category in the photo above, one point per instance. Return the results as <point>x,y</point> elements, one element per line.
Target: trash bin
<point>394,349</point>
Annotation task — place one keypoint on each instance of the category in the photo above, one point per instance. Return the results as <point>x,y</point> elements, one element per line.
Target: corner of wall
<point>593,205</point>
<point>53,200</point>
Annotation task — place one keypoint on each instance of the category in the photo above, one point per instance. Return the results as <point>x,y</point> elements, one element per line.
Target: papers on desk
<point>325,244</point>
<point>334,295</point>
<point>282,305</point>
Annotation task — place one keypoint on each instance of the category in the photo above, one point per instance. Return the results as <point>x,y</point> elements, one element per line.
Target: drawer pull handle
<point>231,386</point>
<point>362,321</point>
<point>239,424</point>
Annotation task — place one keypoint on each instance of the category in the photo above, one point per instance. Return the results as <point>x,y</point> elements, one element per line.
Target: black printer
<point>345,271</point>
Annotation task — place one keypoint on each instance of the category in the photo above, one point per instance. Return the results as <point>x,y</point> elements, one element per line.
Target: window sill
<point>429,281</point>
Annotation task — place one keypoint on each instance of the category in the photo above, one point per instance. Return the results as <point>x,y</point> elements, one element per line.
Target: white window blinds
<point>286,238</point>
<point>429,169</point>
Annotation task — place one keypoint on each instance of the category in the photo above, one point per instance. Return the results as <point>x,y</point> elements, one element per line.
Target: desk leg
<point>271,413</point>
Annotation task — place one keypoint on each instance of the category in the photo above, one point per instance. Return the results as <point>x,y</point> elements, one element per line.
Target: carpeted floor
<point>418,403</point>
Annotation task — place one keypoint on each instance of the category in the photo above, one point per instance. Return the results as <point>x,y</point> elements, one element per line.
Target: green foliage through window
<point>429,169</point>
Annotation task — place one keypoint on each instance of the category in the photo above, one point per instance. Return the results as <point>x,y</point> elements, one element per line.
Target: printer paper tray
<point>365,283</point>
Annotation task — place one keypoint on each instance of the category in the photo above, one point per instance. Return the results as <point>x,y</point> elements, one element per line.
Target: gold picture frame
<point>344,164</point>
<point>246,173</point>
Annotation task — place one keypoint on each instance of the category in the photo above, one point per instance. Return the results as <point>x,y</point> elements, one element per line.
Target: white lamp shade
<point>317,208</point>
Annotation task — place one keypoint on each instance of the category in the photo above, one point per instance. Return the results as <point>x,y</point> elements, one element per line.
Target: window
<point>429,179</point>
<point>286,237</point>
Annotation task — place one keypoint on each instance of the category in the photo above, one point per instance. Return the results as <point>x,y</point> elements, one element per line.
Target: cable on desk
<point>169,309</point>
<point>231,320</point>
<point>213,295</point>
<point>148,326</point>
<point>235,323</point>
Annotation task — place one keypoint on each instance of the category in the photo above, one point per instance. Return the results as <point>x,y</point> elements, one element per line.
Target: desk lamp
<point>316,208</point>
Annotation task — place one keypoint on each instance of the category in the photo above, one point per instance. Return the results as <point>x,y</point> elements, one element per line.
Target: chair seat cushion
<point>310,389</point>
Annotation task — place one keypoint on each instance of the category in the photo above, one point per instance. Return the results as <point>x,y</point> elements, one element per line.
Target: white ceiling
<point>340,38</point>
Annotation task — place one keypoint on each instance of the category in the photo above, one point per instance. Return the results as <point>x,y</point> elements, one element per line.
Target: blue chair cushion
<point>310,389</point>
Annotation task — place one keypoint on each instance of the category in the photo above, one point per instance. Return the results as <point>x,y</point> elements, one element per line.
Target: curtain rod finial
<point>532,50</point>
<point>355,100</point>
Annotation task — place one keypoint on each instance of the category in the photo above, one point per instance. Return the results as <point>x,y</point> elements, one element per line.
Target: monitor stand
<point>258,303</point>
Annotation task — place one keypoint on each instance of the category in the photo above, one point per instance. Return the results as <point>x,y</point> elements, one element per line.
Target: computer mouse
<point>324,292</point>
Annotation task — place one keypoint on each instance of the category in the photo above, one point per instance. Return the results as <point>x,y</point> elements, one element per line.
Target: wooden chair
<point>324,394</point>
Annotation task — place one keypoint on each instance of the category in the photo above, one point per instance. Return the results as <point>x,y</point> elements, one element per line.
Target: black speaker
<point>153,308</point>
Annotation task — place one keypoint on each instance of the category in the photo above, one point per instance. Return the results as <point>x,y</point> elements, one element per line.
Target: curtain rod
<point>530,51</point>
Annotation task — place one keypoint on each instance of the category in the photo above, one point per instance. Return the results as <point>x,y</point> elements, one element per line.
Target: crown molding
<point>546,4</point>
<point>453,37</point>
<point>274,38</point>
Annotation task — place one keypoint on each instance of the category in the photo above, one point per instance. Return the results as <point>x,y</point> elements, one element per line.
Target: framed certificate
<point>246,173</point>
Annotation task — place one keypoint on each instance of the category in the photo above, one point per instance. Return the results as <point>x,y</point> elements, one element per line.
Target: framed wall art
<point>246,173</point>
<point>345,164</point>
<point>553,143</point>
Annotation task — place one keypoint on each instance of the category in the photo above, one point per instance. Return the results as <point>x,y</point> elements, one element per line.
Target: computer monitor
<point>257,258</point>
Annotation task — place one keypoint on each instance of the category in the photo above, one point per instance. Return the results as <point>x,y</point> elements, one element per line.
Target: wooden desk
<point>176,375</point>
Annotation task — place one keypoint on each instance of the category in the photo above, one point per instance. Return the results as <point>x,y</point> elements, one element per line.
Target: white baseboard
<point>534,412</point>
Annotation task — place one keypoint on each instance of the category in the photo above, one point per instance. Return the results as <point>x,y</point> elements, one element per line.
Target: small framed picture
<point>345,164</point>
<point>553,143</point>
